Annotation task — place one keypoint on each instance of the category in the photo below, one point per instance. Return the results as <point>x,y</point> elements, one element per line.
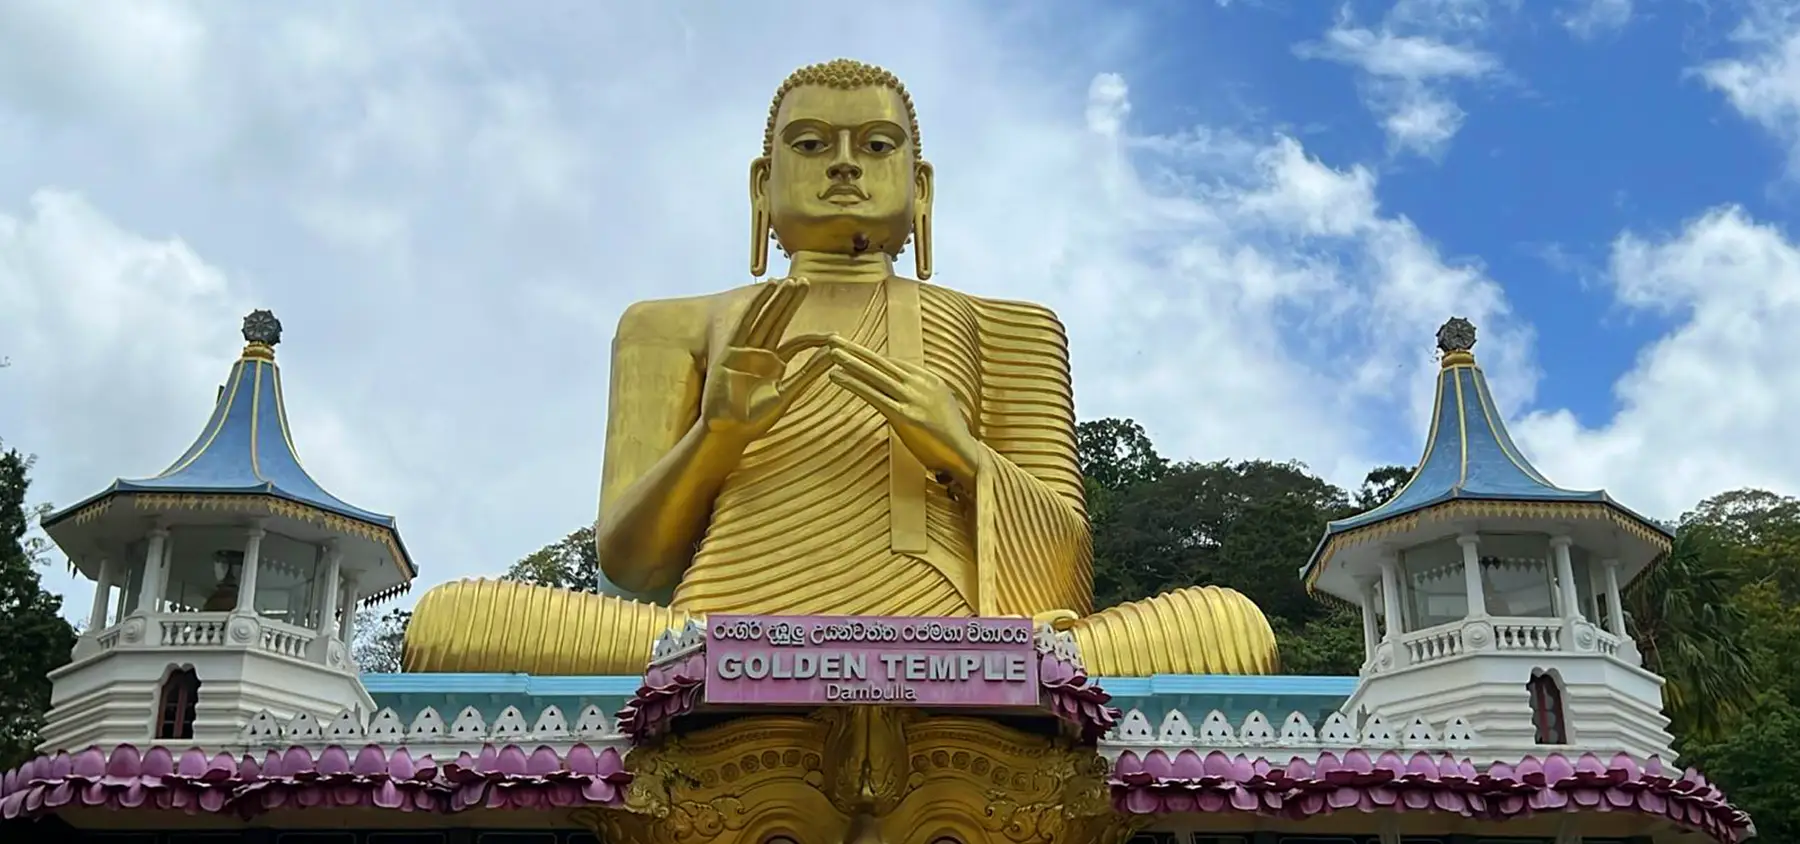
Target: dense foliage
<point>379,640</point>
<point>34,636</point>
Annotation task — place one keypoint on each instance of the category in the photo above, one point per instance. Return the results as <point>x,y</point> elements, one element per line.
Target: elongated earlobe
<point>759,217</point>
<point>759,242</point>
<point>922,188</point>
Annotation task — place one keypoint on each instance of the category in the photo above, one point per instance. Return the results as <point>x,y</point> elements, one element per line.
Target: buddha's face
<point>842,175</point>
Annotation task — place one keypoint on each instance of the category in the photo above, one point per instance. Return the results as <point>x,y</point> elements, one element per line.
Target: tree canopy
<point>34,637</point>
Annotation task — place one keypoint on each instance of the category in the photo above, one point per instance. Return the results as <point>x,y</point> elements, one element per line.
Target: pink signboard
<point>817,660</point>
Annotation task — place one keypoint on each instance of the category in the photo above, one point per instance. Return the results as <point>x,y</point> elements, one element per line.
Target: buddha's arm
<point>1032,537</point>
<point>662,470</point>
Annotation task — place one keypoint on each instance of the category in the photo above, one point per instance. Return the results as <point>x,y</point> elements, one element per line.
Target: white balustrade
<point>225,631</point>
<point>1433,644</point>
<point>286,639</point>
<point>1528,634</point>
<point>195,630</point>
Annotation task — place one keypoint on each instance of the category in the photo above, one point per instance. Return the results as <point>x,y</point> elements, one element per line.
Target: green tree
<point>569,563</point>
<point>1116,454</point>
<point>1247,524</point>
<point>380,640</point>
<point>1330,644</point>
<point>1758,765</point>
<point>1774,640</point>
<point>1691,631</point>
<point>1381,484</point>
<point>34,636</point>
<point>1763,530</point>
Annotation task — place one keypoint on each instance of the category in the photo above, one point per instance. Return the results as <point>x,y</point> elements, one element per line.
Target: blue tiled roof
<point>247,449</point>
<point>244,449</point>
<point>1468,455</point>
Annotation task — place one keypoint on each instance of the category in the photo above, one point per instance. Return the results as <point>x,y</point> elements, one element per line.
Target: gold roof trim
<point>242,503</point>
<point>1482,509</point>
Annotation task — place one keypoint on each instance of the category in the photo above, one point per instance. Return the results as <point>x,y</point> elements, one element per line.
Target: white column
<point>1615,611</point>
<point>1569,605</point>
<point>150,589</point>
<point>246,602</point>
<point>1365,594</point>
<point>334,559</point>
<point>1471,555</point>
<point>162,569</point>
<point>349,631</point>
<point>1390,597</point>
<point>330,577</point>
<point>102,594</point>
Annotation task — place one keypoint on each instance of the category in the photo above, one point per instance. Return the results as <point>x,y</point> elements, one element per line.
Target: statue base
<point>864,774</point>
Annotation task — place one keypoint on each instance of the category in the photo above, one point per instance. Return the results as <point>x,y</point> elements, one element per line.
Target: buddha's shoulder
<point>1016,313</point>
<point>682,318</point>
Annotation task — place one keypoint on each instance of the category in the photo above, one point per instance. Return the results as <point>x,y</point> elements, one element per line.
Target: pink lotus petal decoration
<point>1158,783</point>
<point>192,782</point>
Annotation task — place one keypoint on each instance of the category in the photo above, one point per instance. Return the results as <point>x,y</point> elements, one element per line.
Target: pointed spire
<point>1469,455</point>
<point>246,447</point>
<point>1468,451</point>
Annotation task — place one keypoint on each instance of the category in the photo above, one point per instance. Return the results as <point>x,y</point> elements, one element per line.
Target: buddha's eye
<point>809,146</point>
<point>880,146</point>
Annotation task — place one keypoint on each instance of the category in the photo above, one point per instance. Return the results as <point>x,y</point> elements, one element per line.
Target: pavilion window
<point>176,708</point>
<point>1432,585</point>
<point>1547,710</point>
<point>1516,575</point>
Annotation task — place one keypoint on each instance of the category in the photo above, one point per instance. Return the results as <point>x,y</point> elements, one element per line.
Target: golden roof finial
<point>1455,341</point>
<point>262,331</point>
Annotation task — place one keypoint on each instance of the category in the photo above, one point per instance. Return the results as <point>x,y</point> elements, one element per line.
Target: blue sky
<point>1252,216</point>
<point>1573,138</point>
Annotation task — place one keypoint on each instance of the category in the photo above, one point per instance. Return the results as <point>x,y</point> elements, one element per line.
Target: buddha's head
<point>840,171</point>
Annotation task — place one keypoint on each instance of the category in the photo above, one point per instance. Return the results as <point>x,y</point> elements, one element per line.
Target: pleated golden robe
<point>829,514</point>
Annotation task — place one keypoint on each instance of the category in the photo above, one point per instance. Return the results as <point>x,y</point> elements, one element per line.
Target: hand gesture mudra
<point>918,405</point>
<point>745,390</point>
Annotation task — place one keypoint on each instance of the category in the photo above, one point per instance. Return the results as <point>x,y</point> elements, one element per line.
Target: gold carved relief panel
<point>867,775</point>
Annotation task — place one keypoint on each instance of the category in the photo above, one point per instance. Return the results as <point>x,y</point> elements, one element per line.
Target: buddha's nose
<point>844,170</point>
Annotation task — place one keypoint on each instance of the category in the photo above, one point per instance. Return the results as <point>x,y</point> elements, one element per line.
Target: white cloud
<point>1762,80</point>
<point>1709,406</point>
<point>1407,78</point>
<point>449,206</point>
<point>1592,18</point>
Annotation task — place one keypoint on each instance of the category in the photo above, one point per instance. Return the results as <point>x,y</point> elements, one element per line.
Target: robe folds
<point>830,514</point>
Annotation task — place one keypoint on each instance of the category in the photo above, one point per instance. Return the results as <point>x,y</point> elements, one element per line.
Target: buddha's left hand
<point>920,407</point>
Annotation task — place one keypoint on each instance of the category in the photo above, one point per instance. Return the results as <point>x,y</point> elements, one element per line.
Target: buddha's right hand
<point>745,392</point>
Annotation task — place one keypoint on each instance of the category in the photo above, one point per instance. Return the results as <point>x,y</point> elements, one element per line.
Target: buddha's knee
<point>1196,630</point>
<point>503,626</point>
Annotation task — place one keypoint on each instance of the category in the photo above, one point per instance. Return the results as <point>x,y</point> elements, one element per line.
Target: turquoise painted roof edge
<point>625,686</point>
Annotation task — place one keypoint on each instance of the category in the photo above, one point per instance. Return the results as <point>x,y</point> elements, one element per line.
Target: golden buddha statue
<point>842,441</point>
